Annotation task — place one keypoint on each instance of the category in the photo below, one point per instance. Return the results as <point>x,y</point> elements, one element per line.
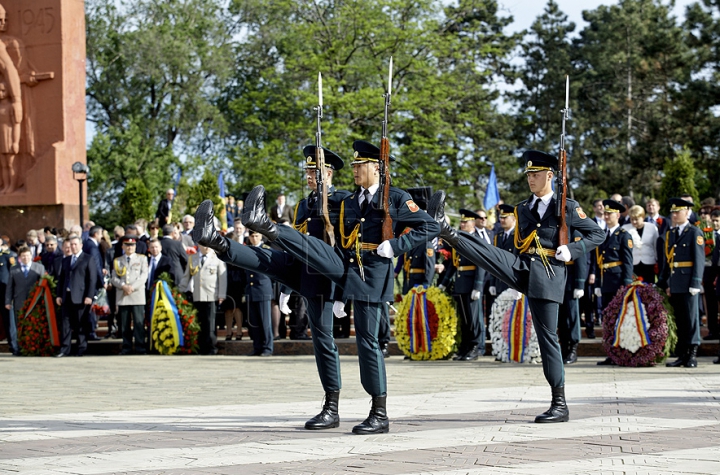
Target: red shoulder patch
<point>630,243</point>
<point>412,206</point>
<point>581,213</point>
<point>700,241</point>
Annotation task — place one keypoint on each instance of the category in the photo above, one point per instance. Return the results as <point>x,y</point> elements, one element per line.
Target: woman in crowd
<point>645,239</point>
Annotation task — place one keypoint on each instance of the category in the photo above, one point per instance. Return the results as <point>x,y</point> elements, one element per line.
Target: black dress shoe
<point>572,355</point>
<point>606,362</point>
<point>458,356</point>
<point>254,353</point>
<point>436,209</point>
<point>377,422</point>
<point>60,355</point>
<point>716,360</point>
<point>238,337</point>
<point>677,363</point>
<point>691,358</point>
<point>254,216</point>
<point>204,231</point>
<point>471,355</point>
<point>328,417</point>
<point>228,337</point>
<point>266,353</point>
<point>558,411</point>
<point>93,337</point>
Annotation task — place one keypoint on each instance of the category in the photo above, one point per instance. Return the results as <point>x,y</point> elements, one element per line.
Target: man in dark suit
<point>174,251</point>
<point>163,215</point>
<point>91,245</point>
<point>159,263</point>
<point>51,252</point>
<point>23,276</point>
<point>281,211</point>
<point>652,206</point>
<point>75,290</point>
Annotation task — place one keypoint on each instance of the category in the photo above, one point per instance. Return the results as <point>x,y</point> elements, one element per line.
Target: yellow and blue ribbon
<point>518,332</point>
<point>632,299</point>
<point>162,293</point>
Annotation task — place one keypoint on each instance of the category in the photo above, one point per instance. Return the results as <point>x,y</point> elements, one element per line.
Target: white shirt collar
<point>681,227</point>
<point>612,230</point>
<point>545,199</point>
<point>372,189</point>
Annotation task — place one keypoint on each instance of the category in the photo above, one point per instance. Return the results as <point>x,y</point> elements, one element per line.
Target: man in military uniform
<point>539,270</point>
<point>295,274</point>
<point>363,265</point>
<point>129,277</point>
<point>205,276</point>
<point>418,265</point>
<point>504,239</point>
<point>612,265</point>
<point>569,313</point>
<point>467,293</point>
<point>259,292</point>
<point>682,280</point>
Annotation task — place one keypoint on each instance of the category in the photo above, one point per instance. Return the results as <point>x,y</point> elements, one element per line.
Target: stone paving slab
<point>240,415</point>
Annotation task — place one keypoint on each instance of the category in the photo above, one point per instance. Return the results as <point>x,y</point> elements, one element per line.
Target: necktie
<point>202,260</point>
<point>73,260</point>
<point>151,273</point>
<point>607,234</point>
<point>128,259</point>
<point>25,270</point>
<point>483,235</point>
<point>366,200</point>
<point>535,207</point>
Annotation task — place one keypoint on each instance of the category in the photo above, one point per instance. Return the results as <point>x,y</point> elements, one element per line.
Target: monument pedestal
<point>44,41</point>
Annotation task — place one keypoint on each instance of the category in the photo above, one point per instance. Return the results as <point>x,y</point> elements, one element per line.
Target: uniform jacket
<point>94,250</point>
<point>616,248</point>
<point>715,262</point>
<point>684,260</point>
<point>307,219</point>
<point>379,270</point>
<point>644,249</point>
<point>175,252</point>
<point>259,287</point>
<point>78,282</point>
<point>209,280</point>
<point>541,286</point>
<point>465,280</point>
<point>418,266</point>
<point>577,271</point>
<point>508,244</point>
<point>134,273</point>
<point>19,286</point>
<point>6,262</point>
<point>163,212</point>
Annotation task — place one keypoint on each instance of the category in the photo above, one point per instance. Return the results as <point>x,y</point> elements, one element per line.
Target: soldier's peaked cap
<point>332,159</point>
<point>366,152</point>
<point>612,206</point>
<point>677,204</point>
<point>467,215</point>
<point>129,239</point>
<point>536,161</point>
<point>506,210</point>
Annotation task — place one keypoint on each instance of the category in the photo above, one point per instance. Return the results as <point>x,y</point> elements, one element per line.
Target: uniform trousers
<point>569,321</point>
<point>283,268</point>
<point>472,326</point>
<point>502,264</point>
<point>260,326</point>
<point>687,318</point>
<point>136,315</point>
<point>75,317</point>
<point>368,314</point>
<point>711,301</point>
<point>207,339</point>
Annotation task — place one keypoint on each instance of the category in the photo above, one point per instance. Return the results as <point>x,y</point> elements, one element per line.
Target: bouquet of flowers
<point>37,326</point>
<point>174,329</point>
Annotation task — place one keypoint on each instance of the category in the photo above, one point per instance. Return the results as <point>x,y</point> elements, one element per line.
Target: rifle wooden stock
<point>387,227</point>
<point>563,239</point>
<point>322,189</point>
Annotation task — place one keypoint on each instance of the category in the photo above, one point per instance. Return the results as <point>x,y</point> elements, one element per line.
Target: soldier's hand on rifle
<point>339,309</point>
<point>385,250</point>
<point>562,254</point>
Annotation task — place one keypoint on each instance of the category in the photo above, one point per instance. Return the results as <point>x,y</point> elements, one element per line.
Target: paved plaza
<point>242,415</point>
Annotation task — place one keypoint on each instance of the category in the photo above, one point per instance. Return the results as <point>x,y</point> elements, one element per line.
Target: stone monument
<point>42,113</point>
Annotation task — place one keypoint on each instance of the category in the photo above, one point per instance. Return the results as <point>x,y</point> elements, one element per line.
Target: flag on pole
<point>492,194</point>
<point>177,181</point>
<point>221,185</point>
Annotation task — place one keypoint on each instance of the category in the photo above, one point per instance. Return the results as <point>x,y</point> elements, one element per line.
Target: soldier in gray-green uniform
<point>569,313</point>
<point>682,280</point>
<point>539,270</point>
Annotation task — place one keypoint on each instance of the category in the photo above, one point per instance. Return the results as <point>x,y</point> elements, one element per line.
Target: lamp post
<point>80,173</point>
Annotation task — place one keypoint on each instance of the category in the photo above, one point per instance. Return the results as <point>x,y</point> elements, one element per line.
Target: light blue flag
<point>221,185</point>
<point>177,181</point>
<point>492,194</point>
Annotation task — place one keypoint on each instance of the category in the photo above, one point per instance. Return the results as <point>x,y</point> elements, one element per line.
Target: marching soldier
<point>418,264</point>
<point>682,280</point>
<point>539,270</point>
<point>613,261</point>
<point>569,313</point>
<point>363,265</point>
<point>129,276</point>
<point>467,293</point>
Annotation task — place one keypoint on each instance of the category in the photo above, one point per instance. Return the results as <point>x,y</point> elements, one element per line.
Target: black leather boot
<point>436,209</point>
<point>680,361</point>
<point>204,232</point>
<point>572,354</point>
<point>691,358</point>
<point>377,422</point>
<point>254,216</point>
<point>328,417</point>
<point>558,411</point>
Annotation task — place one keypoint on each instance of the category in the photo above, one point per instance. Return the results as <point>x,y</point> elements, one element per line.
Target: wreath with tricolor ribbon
<point>511,330</point>
<point>425,324</point>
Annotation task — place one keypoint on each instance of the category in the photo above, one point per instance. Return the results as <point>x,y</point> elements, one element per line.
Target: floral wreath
<point>174,328</point>
<point>511,330</point>
<point>638,328</point>
<point>425,324</point>
<point>37,324</point>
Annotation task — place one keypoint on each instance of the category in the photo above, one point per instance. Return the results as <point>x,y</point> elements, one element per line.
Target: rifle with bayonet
<point>322,188</point>
<point>384,189</point>
<point>561,180</point>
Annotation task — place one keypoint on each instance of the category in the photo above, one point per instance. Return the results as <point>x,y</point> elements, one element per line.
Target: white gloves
<point>283,303</point>
<point>694,291</point>
<point>598,292</point>
<point>385,250</point>
<point>492,290</point>
<point>578,293</point>
<point>441,287</point>
<point>562,254</point>
<point>474,295</point>
<point>339,309</point>
<point>514,294</point>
